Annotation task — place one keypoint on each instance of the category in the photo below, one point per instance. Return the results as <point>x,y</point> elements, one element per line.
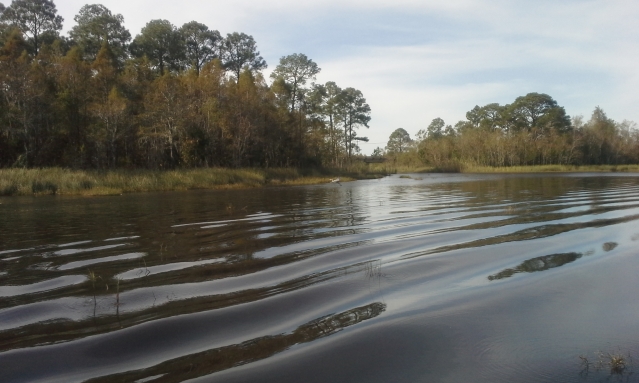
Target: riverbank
<point>465,168</point>
<point>553,168</point>
<point>14,182</point>
<point>114,182</point>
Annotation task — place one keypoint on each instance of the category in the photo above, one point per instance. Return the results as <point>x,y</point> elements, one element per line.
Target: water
<point>436,278</point>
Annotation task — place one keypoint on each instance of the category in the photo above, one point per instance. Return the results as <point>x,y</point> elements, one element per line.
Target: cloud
<point>415,60</point>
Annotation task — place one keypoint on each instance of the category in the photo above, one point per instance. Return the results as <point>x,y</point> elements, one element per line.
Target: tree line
<point>168,97</point>
<point>533,130</point>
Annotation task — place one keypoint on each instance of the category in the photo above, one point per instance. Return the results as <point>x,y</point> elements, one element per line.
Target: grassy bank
<point>81,182</point>
<point>552,168</point>
<point>456,167</point>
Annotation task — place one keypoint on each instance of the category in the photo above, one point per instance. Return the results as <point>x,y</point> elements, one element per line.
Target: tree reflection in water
<point>546,262</point>
<point>218,359</point>
<point>538,264</point>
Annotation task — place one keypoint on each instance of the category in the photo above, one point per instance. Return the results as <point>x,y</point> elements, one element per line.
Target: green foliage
<point>96,25</point>
<point>540,111</point>
<point>202,44</point>
<point>436,128</point>
<point>239,51</point>
<point>161,42</point>
<point>355,112</point>
<point>398,142</point>
<point>533,130</point>
<point>296,70</point>
<point>35,18</point>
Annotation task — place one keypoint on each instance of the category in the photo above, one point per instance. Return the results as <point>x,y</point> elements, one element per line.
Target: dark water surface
<point>448,278</point>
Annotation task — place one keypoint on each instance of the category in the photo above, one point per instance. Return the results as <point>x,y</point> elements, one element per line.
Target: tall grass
<point>84,182</point>
<point>464,167</point>
<point>551,168</point>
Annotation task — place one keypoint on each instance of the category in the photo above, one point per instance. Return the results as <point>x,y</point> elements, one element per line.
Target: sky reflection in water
<point>483,278</point>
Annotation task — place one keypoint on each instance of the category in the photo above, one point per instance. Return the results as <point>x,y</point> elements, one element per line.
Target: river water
<point>433,278</point>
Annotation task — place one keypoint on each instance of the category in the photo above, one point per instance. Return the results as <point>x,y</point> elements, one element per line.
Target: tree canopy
<point>533,130</point>
<point>173,97</point>
<point>239,51</point>
<point>184,97</point>
<point>399,141</point>
<point>37,19</point>
<point>295,70</point>
<point>161,43</point>
<point>202,44</point>
<point>95,26</point>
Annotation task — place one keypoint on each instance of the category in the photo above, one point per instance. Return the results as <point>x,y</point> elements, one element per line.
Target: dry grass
<point>552,168</point>
<point>115,182</point>
<point>458,167</point>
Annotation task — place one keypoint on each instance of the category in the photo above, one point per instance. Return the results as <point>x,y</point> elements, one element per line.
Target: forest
<point>188,97</point>
<point>533,130</point>
<point>167,98</point>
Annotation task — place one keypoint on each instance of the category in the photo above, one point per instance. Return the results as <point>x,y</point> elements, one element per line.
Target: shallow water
<point>436,278</point>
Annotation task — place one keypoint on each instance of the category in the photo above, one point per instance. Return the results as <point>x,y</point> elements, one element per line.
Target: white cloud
<point>415,60</point>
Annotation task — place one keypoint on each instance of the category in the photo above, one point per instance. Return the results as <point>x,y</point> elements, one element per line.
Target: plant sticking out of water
<point>117,292</point>
<point>373,269</point>
<point>616,363</point>
<point>93,277</point>
<point>146,269</point>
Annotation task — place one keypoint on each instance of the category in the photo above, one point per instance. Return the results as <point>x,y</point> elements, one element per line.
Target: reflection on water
<point>538,264</point>
<point>300,282</point>
<point>210,361</point>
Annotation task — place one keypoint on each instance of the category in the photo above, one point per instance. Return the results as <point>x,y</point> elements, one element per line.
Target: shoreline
<point>59,181</point>
<point>555,169</point>
<point>474,169</point>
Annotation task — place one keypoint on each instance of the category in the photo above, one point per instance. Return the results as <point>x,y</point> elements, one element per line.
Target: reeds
<point>115,182</point>
<point>551,169</point>
<point>616,363</point>
<point>461,167</point>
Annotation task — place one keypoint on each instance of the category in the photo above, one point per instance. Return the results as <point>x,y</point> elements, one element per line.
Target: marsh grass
<point>462,167</point>
<point>551,168</point>
<point>89,183</point>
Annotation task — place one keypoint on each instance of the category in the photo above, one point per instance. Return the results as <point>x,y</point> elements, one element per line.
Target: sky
<point>418,60</point>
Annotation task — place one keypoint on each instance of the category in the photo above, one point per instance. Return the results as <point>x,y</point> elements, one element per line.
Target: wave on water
<point>432,278</point>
